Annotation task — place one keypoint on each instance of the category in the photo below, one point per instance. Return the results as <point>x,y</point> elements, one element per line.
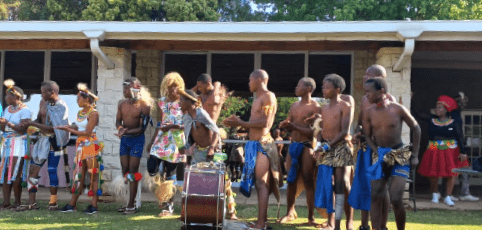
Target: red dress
<point>441,156</point>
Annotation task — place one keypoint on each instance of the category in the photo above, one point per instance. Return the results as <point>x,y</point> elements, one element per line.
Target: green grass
<point>109,218</point>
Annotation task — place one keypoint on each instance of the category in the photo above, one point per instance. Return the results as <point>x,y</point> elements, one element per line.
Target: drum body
<point>203,196</point>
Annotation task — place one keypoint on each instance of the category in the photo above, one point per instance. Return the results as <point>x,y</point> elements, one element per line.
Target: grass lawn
<point>147,218</point>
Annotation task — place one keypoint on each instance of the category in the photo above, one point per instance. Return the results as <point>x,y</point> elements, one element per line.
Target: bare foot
<point>349,225</point>
<point>165,213</point>
<point>259,225</point>
<point>324,225</point>
<point>312,223</point>
<point>232,216</point>
<point>289,217</point>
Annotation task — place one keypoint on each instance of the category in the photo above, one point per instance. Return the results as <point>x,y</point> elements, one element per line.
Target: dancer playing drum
<point>199,128</point>
<point>265,160</point>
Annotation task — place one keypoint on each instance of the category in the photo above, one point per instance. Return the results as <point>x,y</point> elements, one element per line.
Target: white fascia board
<point>292,31</point>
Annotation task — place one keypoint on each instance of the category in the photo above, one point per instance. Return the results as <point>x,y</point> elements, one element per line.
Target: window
<point>284,70</point>
<point>233,70</point>
<point>190,66</point>
<point>70,68</point>
<point>26,69</point>
<point>472,130</point>
<point>320,65</point>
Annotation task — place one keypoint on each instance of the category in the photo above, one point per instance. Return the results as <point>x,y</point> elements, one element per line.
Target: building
<point>428,58</point>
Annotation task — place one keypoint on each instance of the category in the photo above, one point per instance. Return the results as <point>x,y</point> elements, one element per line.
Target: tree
<point>238,11</point>
<point>355,10</point>
<point>66,10</point>
<point>8,9</point>
<point>191,10</point>
<point>33,10</point>
<point>122,10</point>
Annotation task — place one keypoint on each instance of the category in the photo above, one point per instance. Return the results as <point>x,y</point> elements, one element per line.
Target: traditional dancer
<point>360,195</point>
<point>168,143</point>
<point>50,143</point>
<point>212,95</point>
<point>382,127</point>
<point>262,159</point>
<point>131,122</point>
<point>445,150</point>
<point>336,151</point>
<point>88,148</point>
<point>300,158</point>
<point>199,128</point>
<point>15,145</point>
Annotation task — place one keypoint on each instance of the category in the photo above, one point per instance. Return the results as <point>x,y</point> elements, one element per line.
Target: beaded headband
<point>82,87</point>
<point>9,83</point>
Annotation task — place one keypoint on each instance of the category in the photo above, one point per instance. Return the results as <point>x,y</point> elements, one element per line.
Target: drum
<point>203,198</point>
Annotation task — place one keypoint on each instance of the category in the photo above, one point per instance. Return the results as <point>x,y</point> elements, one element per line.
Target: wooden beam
<point>448,46</point>
<point>43,44</point>
<point>253,45</point>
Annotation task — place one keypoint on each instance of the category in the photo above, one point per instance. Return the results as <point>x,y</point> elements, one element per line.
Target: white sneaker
<point>469,198</point>
<point>435,197</point>
<point>453,198</point>
<point>448,201</point>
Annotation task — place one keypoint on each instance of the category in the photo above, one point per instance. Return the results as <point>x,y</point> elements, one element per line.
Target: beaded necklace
<point>437,121</point>
<point>11,109</point>
<point>81,115</point>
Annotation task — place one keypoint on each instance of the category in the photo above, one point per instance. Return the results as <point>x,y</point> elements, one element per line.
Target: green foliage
<point>8,9</point>
<point>284,104</point>
<point>355,10</point>
<point>237,11</point>
<point>34,10</point>
<point>121,10</point>
<point>234,105</point>
<point>66,10</point>
<point>191,10</point>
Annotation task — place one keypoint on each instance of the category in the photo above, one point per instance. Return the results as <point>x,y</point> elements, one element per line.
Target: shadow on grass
<point>146,218</point>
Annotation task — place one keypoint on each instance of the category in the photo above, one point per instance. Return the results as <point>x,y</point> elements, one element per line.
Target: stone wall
<point>363,59</point>
<point>109,87</point>
<point>148,70</point>
<point>398,82</point>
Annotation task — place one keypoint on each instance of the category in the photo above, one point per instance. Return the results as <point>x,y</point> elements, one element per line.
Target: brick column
<point>398,82</point>
<point>110,91</point>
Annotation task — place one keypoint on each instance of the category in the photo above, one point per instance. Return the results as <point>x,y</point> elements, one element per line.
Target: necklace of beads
<point>437,121</point>
<point>81,115</point>
<point>11,109</point>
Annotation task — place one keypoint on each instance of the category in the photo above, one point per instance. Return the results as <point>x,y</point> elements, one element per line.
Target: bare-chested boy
<point>335,153</point>
<point>213,96</point>
<point>199,128</point>
<point>265,163</point>
<point>382,127</point>
<point>131,119</point>
<point>360,195</point>
<point>300,158</point>
<point>53,111</point>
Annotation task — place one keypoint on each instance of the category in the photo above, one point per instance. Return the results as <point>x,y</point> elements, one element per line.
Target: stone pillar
<point>148,71</point>
<point>363,60</point>
<point>110,91</point>
<point>398,82</point>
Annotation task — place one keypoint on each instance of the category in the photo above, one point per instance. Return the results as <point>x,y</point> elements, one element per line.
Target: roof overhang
<point>249,31</point>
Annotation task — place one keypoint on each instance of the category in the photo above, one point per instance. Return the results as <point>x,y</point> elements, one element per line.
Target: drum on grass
<point>203,196</point>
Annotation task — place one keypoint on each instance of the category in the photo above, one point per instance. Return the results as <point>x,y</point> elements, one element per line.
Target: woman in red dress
<point>445,150</point>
